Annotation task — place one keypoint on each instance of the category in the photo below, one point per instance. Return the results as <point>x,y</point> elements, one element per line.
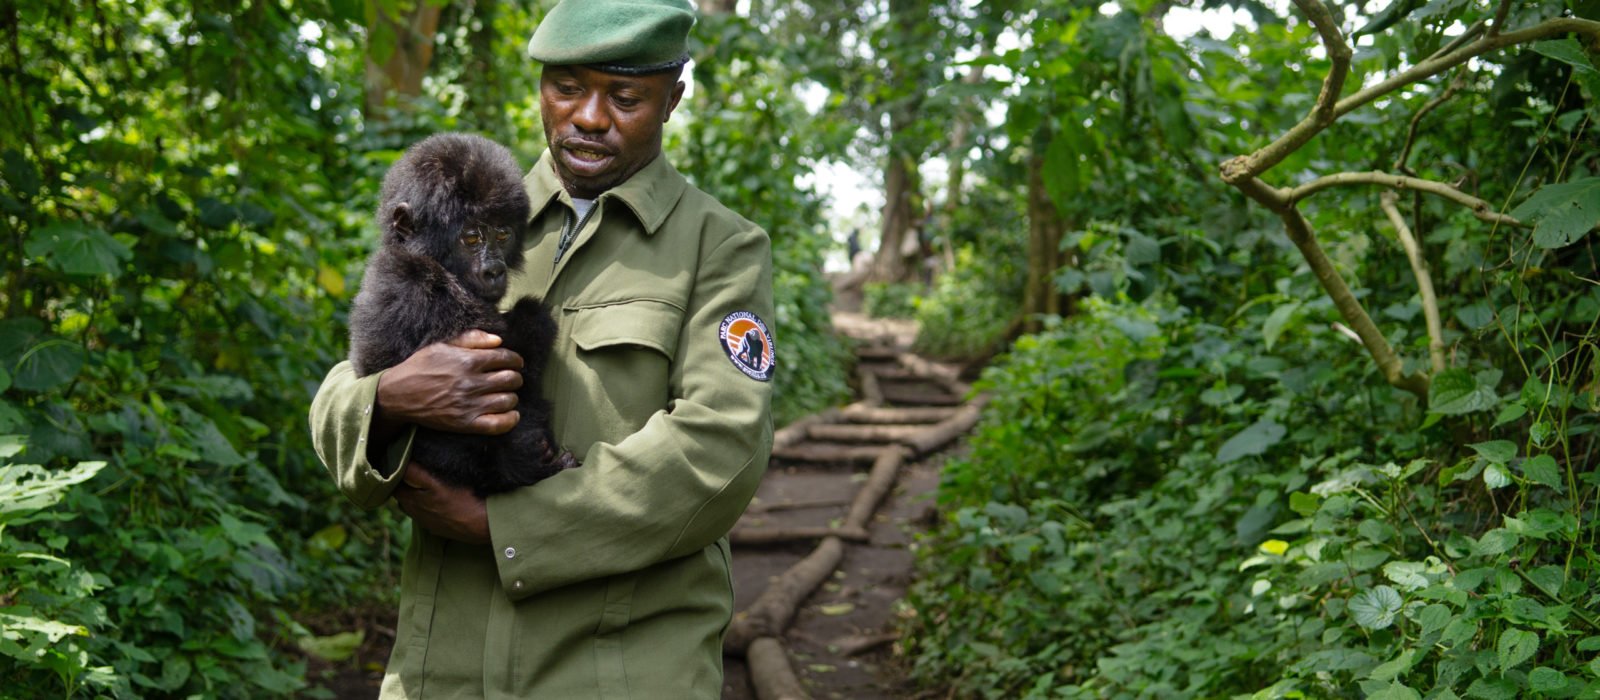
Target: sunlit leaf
<point>1375,607</point>
<point>1277,321</point>
<point>333,647</point>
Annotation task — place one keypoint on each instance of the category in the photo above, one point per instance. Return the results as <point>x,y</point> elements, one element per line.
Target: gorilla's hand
<point>451,512</point>
<point>466,385</point>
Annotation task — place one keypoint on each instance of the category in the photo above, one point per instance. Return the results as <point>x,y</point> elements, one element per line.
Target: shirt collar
<point>651,193</point>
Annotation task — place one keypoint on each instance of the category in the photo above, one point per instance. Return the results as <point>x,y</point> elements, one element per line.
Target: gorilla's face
<point>479,260</point>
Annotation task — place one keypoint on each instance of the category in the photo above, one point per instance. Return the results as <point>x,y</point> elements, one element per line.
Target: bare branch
<point>1411,132</point>
<point>1321,115</point>
<point>1419,268</point>
<point>1500,17</point>
<point>1436,65</point>
<point>1344,300</point>
<point>1479,207</point>
<point>1244,167</point>
<point>1472,32</point>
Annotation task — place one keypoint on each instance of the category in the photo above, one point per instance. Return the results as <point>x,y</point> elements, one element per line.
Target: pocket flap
<point>648,323</point>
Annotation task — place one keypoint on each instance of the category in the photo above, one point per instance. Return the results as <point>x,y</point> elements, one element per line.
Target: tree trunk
<point>1045,229</point>
<point>900,253</point>
<point>408,42</point>
<point>960,137</point>
<point>898,246</point>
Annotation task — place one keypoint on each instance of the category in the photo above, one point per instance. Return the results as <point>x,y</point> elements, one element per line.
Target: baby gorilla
<point>453,213</point>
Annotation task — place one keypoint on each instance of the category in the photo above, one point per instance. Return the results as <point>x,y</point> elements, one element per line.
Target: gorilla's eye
<point>502,235</point>
<point>471,238</point>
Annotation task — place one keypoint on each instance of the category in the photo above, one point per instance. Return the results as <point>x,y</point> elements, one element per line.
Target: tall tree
<point>400,39</point>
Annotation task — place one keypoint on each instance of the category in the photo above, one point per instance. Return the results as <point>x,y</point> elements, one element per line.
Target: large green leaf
<point>1251,441</point>
<point>1515,646</point>
<point>1375,607</point>
<point>1277,321</point>
<point>48,365</point>
<point>1562,213</point>
<point>1456,391</point>
<point>77,249</point>
<point>1567,51</point>
<point>27,487</point>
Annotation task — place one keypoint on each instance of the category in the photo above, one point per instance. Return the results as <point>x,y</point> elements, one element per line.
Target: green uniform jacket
<point>610,580</point>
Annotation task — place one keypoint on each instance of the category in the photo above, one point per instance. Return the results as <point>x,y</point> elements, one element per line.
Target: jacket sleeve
<point>678,484</point>
<point>341,417</point>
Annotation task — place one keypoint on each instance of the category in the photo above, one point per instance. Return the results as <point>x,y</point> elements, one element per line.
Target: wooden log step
<point>882,478</point>
<point>828,453</point>
<point>877,352</point>
<point>781,535</point>
<point>948,429</point>
<point>771,673</point>
<point>881,433</point>
<point>796,432</point>
<point>861,413</point>
<point>917,394</point>
<point>946,376</point>
<point>769,616</point>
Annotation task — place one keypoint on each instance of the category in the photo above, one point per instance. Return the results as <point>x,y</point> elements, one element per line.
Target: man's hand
<point>466,385</point>
<point>447,511</point>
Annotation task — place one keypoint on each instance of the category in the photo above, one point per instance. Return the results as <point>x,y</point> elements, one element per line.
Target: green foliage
<point>46,603</point>
<point>890,299</point>
<point>1198,485</point>
<point>972,305</point>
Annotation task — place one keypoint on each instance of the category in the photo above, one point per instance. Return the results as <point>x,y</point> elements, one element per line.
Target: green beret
<point>616,36</point>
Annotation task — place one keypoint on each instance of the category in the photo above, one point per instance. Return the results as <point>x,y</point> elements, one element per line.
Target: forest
<point>1287,313</point>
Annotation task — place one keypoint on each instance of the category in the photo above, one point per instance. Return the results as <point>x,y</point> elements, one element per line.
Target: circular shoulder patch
<point>748,343</point>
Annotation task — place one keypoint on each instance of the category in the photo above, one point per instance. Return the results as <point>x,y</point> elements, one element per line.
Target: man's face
<point>602,127</point>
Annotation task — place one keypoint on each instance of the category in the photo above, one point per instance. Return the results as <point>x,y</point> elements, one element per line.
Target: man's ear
<point>400,221</point>
<point>672,102</point>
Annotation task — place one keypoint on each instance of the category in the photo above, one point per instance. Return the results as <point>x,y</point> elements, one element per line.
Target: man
<point>610,580</point>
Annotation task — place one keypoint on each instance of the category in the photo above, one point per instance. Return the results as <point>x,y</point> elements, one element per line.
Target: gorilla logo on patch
<point>748,343</point>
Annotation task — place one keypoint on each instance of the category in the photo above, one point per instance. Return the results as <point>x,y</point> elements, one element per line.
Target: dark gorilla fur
<point>419,290</point>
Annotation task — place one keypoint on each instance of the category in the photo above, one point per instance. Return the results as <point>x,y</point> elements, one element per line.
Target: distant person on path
<point>610,580</point>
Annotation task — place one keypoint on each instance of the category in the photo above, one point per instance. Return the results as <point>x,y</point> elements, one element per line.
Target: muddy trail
<point>823,555</point>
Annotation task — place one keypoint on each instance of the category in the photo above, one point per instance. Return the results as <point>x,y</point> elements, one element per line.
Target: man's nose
<point>591,115</point>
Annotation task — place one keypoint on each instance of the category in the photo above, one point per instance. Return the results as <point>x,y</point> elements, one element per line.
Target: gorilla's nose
<point>494,278</point>
<point>494,273</point>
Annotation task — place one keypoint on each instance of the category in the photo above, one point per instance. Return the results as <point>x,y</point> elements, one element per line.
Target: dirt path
<point>838,640</point>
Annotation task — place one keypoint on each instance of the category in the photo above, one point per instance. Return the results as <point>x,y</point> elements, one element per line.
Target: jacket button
<point>516,584</point>
<point>511,552</point>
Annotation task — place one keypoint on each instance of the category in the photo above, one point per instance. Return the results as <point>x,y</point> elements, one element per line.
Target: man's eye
<point>626,102</point>
<point>568,88</point>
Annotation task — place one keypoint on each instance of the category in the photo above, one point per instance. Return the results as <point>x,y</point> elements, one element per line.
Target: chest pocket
<point>623,362</point>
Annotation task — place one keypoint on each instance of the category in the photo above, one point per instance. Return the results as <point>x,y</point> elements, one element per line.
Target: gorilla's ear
<point>400,221</point>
